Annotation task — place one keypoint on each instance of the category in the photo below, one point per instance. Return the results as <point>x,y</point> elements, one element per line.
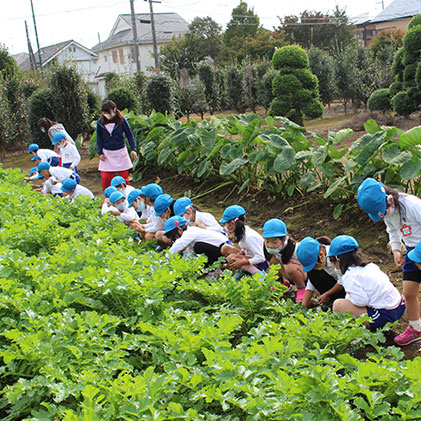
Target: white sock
<point>416,324</point>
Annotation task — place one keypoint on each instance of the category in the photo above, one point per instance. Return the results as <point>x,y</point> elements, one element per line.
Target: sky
<point>87,21</point>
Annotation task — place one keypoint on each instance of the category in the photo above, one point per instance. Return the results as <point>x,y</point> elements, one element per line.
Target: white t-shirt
<point>49,187</point>
<point>407,230</point>
<point>157,224</point>
<point>81,191</point>
<point>329,270</point>
<point>252,246</point>
<point>209,221</point>
<point>46,154</point>
<point>148,213</point>
<point>60,173</point>
<point>194,234</point>
<point>368,286</point>
<point>70,155</point>
<point>129,215</point>
<point>106,207</point>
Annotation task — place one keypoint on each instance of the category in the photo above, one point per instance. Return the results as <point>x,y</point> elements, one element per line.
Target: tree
<point>250,83</point>
<point>159,94</point>
<point>264,88</point>
<point>207,77</point>
<point>191,99</point>
<point>243,24</point>
<point>295,88</point>
<point>236,91</point>
<point>40,105</point>
<point>124,98</point>
<point>386,40</point>
<point>8,65</point>
<point>207,36</point>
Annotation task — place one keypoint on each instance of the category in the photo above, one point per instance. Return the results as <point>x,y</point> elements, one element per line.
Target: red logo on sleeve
<point>406,230</point>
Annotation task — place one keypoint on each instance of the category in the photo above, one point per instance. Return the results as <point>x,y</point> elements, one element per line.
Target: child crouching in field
<point>368,289</point>
<point>282,250</point>
<point>322,276</point>
<point>249,258</point>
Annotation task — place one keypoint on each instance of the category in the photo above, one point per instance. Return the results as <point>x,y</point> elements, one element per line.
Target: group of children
<point>344,280</point>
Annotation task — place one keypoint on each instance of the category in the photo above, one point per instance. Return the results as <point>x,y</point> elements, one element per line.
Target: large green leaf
<point>307,179</point>
<point>227,168</point>
<point>375,142</point>
<point>208,138</point>
<point>395,156</point>
<point>252,130</point>
<point>284,160</point>
<point>203,168</point>
<point>319,156</point>
<point>165,156</point>
<point>372,127</point>
<point>275,140</point>
<point>333,187</point>
<point>342,135</point>
<point>410,170</point>
<point>257,156</point>
<point>411,137</point>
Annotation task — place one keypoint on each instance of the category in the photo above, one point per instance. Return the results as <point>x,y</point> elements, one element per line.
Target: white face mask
<point>120,189</point>
<point>43,129</point>
<point>122,206</point>
<point>278,251</point>
<point>107,116</point>
<point>140,205</point>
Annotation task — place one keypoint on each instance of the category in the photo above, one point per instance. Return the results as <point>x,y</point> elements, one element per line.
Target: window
<point>121,52</point>
<point>105,59</point>
<point>132,54</point>
<point>114,56</point>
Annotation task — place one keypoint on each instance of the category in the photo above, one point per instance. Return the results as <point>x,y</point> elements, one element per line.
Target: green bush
<point>402,104</point>
<point>94,107</point>
<point>279,107</point>
<point>409,73</point>
<point>394,88</point>
<point>159,94</point>
<point>112,81</point>
<point>236,89</point>
<point>307,79</point>
<point>397,65</point>
<point>379,100</point>
<point>414,95</point>
<point>286,85</point>
<point>410,58</point>
<point>313,108</point>
<point>207,77</point>
<point>40,105</point>
<point>416,20</point>
<point>124,98</point>
<point>265,88</point>
<point>412,40</point>
<point>290,56</point>
<point>418,76</point>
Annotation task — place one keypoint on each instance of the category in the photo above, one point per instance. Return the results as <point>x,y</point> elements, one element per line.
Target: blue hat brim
<point>375,218</point>
<point>414,256</point>
<point>309,267</point>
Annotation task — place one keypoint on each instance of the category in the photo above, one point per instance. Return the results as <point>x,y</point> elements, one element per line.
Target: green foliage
<point>159,94</point>
<point>264,88</point>
<point>244,24</point>
<point>124,99</point>
<point>291,56</point>
<point>287,84</point>
<point>394,88</point>
<point>70,103</point>
<point>416,20</point>
<point>8,66</point>
<point>236,90</point>
<point>40,105</point>
<point>409,74</point>
<point>379,100</point>
<point>207,35</point>
<point>397,65</point>
<point>112,81</point>
<point>93,102</point>
<point>402,104</point>
<point>412,40</point>
<point>207,76</point>
<point>191,99</point>
<point>388,39</point>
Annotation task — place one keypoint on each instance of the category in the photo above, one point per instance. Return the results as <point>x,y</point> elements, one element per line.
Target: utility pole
<point>36,36</point>
<point>136,50</point>
<point>32,60</point>
<point>155,46</point>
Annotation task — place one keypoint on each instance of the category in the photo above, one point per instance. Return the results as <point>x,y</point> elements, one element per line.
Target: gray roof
<point>399,9</point>
<point>166,26</point>
<point>22,59</point>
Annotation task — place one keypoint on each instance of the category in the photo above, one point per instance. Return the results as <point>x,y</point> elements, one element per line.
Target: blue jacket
<point>115,140</point>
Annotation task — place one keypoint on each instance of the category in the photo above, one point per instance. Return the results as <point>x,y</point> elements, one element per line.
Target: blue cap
<point>116,196</point>
<point>174,222</point>
<point>232,212</point>
<point>162,203</point>
<point>342,244</point>
<point>181,205</point>
<point>151,191</point>
<point>108,191</point>
<point>58,137</point>
<point>43,166</point>
<point>68,185</point>
<point>117,181</point>
<point>308,253</point>
<point>33,170</point>
<point>415,254</point>
<point>35,158</point>
<point>33,147</point>
<point>133,195</point>
<point>371,197</point>
<point>274,228</point>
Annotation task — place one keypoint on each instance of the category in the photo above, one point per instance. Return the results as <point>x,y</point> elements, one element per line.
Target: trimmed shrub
<point>236,89</point>
<point>416,20</point>
<point>313,108</point>
<point>410,58</point>
<point>279,107</point>
<point>397,65</point>
<point>414,95</point>
<point>402,104</point>
<point>418,76</point>
<point>409,73</point>
<point>40,105</point>
<point>412,40</point>
<point>124,98</point>
<point>308,79</point>
<point>290,56</point>
<point>265,90</point>
<point>379,100</point>
<point>394,88</point>
<point>159,94</point>
<point>286,85</point>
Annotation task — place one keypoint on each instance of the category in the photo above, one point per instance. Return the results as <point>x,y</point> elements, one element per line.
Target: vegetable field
<point>96,327</point>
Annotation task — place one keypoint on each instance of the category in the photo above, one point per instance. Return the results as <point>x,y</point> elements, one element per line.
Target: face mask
<point>43,129</point>
<point>272,251</point>
<point>107,116</point>
<point>122,206</point>
<point>140,205</point>
<point>61,146</point>
<point>120,189</point>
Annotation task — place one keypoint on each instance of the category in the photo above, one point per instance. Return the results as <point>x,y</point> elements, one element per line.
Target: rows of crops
<point>277,155</point>
<point>95,327</point>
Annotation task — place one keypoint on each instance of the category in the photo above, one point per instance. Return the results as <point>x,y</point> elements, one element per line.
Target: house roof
<point>51,51</point>
<point>399,9</point>
<point>166,26</point>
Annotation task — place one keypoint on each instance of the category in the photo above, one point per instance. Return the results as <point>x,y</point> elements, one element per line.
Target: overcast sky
<point>85,20</point>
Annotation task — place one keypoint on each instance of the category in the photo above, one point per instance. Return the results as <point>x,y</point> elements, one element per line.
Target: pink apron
<point>118,160</point>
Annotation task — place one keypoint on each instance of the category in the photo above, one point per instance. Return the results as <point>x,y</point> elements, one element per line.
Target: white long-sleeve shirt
<point>70,155</point>
<point>408,228</point>
<point>60,173</point>
<point>252,246</point>
<point>194,234</point>
<point>129,215</point>
<point>46,154</point>
<point>81,191</point>
<point>368,286</point>
<point>209,221</point>
<point>49,187</point>
<point>127,190</point>
<point>157,224</point>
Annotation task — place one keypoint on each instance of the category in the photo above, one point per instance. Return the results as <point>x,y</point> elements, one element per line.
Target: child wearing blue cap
<point>71,190</point>
<point>368,289</point>
<point>189,240</point>
<point>250,257</point>
<point>164,209</point>
<point>33,174</point>
<point>401,213</point>
<point>120,184</point>
<point>46,155</point>
<point>106,204</point>
<point>118,206</point>
<point>57,174</point>
<point>68,153</point>
<point>282,250</point>
<point>322,276</point>
<point>194,215</point>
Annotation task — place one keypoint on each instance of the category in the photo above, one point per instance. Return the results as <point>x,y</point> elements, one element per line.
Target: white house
<point>72,52</point>
<point>116,54</point>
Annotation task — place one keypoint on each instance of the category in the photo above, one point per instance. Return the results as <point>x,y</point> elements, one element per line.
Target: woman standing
<point>111,147</point>
<point>52,127</point>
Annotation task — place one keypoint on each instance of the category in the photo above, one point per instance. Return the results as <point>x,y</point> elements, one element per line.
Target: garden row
<point>94,327</point>
<point>256,153</point>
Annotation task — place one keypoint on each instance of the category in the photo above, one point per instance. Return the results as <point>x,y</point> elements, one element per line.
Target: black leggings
<point>213,253</point>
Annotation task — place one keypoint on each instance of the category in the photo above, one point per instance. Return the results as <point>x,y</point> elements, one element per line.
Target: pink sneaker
<point>410,335</point>
<point>300,295</point>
